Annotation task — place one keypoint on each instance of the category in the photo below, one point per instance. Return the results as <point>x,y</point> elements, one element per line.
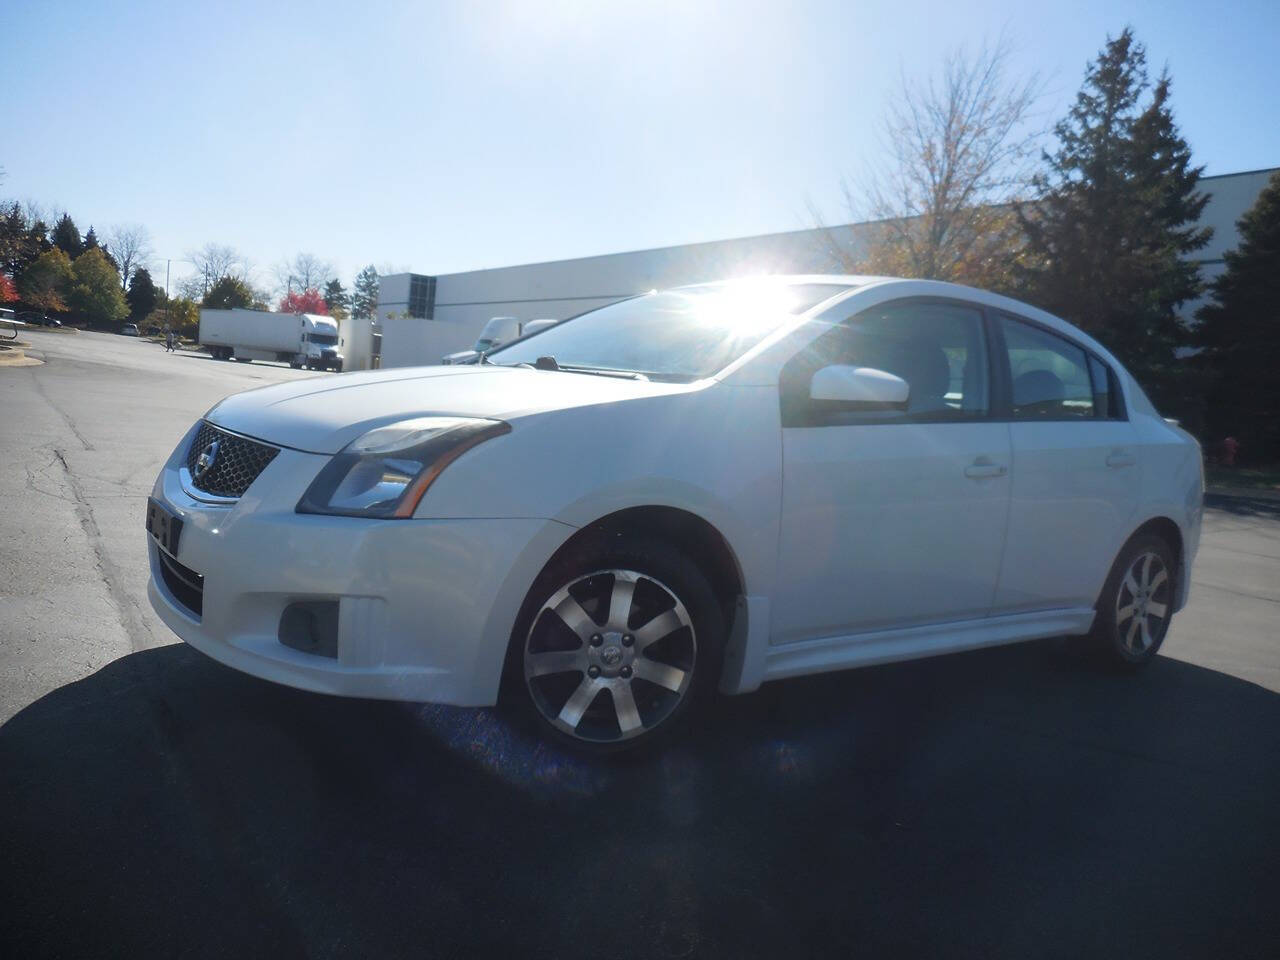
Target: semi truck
<point>298,339</point>
<point>496,332</point>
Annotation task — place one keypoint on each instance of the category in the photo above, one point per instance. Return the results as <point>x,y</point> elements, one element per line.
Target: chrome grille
<point>238,463</point>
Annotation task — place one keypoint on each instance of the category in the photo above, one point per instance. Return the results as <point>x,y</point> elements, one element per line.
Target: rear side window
<point>1050,376</point>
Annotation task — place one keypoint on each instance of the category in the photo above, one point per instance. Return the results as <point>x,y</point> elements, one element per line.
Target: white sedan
<point>712,486</point>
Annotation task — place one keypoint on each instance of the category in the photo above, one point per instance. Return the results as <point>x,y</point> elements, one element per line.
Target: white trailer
<point>298,339</point>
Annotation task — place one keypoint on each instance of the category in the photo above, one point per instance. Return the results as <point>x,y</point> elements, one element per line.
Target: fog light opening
<point>311,626</point>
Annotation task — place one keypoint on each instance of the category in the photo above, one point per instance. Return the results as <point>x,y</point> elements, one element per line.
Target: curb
<point>16,358</point>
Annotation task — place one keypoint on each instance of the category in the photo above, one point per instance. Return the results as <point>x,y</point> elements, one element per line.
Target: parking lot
<point>1010,802</point>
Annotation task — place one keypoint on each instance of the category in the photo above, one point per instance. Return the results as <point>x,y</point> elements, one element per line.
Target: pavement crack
<point>127,611</point>
<point>63,414</point>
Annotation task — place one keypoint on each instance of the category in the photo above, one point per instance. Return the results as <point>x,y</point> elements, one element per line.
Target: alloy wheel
<point>610,656</point>
<point>1142,604</point>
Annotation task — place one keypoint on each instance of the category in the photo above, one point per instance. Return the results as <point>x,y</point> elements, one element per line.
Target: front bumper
<point>425,607</point>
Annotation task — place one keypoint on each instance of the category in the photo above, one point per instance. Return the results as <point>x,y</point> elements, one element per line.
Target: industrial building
<point>424,317</point>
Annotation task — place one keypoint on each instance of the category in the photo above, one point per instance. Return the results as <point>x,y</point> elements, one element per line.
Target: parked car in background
<point>713,486</point>
<point>497,331</point>
<point>129,330</point>
<point>39,319</point>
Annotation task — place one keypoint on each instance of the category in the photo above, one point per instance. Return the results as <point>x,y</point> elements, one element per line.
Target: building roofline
<point>1240,173</point>
<point>739,239</point>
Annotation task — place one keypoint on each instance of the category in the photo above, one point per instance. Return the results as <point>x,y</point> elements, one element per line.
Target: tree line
<point>53,270</point>
<point>1099,227</point>
<point>1095,220</point>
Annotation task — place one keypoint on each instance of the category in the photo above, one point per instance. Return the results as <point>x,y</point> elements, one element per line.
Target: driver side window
<point>938,348</point>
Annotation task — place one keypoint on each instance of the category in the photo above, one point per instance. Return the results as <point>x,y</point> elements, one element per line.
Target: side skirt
<point>911,643</point>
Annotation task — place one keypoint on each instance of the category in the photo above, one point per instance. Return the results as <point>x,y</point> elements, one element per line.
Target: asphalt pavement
<point>1005,803</point>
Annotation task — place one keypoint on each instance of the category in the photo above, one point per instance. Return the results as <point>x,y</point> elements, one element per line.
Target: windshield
<point>683,334</point>
<point>327,339</point>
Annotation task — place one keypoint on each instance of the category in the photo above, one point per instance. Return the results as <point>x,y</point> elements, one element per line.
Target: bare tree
<point>960,149</point>
<point>130,244</point>
<point>305,271</point>
<point>212,262</point>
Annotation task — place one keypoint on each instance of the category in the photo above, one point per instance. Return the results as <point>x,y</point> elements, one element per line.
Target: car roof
<point>790,279</point>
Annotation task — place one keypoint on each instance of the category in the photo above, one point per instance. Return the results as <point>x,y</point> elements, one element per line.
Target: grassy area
<point>1254,478</point>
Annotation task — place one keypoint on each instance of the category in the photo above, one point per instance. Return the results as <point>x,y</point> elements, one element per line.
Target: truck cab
<point>320,346</point>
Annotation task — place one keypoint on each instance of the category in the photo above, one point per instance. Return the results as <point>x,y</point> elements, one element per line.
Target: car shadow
<point>1241,506</point>
<point>199,355</point>
<point>1011,802</point>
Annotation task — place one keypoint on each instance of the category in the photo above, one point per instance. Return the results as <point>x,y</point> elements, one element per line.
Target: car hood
<point>324,414</point>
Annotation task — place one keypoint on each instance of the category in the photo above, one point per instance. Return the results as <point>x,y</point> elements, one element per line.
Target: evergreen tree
<point>364,299</point>
<point>91,240</point>
<point>1240,330</point>
<point>337,299</point>
<point>96,291</point>
<point>229,293</point>
<point>66,236</point>
<point>1114,219</point>
<point>142,295</point>
<point>18,247</point>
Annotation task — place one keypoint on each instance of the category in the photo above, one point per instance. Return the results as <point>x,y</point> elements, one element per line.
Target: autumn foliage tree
<point>8,292</point>
<point>304,301</point>
<point>47,281</point>
<point>961,149</point>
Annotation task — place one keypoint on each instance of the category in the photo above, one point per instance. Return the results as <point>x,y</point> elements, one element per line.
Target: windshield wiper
<point>550,363</point>
<point>601,372</point>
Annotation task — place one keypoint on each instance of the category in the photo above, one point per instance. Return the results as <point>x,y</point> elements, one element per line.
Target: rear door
<point>1076,475</point>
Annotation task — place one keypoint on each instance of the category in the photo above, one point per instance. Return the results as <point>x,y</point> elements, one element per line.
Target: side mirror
<point>859,388</point>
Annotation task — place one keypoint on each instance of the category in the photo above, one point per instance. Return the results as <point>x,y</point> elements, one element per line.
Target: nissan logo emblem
<point>204,462</point>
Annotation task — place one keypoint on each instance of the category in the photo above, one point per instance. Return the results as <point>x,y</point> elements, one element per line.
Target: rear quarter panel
<point>1172,484</point>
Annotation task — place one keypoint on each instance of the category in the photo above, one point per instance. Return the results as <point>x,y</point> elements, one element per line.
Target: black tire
<point>694,648</point>
<point>1133,616</point>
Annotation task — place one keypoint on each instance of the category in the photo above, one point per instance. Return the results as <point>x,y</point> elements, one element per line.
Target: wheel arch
<point>694,535</point>
<point>1168,530</point>
<point>697,537</point>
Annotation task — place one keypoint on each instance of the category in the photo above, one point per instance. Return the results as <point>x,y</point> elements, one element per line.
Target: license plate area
<point>163,526</point>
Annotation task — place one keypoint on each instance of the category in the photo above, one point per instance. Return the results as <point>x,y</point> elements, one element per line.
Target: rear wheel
<point>1136,605</point>
<point>616,646</point>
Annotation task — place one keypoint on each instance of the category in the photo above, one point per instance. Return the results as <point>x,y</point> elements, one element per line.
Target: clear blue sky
<point>448,136</point>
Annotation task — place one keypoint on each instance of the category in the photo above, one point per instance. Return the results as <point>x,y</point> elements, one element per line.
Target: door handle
<point>982,467</point>
<point>1119,458</point>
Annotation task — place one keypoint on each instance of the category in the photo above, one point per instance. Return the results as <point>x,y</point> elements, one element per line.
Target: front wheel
<point>616,646</point>
<point>1136,605</point>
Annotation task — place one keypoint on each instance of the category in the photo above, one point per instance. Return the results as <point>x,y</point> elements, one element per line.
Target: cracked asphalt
<point>1005,803</point>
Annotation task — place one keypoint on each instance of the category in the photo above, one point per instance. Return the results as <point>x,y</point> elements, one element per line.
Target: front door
<point>893,518</point>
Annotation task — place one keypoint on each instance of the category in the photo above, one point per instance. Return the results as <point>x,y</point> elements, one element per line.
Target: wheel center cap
<point>611,655</point>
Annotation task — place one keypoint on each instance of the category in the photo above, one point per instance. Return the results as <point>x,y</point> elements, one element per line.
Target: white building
<point>425,317</point>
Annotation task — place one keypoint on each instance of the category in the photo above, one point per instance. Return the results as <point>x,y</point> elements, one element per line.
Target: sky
<point>439,137</point>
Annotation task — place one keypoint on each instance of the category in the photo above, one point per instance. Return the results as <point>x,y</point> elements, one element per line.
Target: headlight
<point>385,472</point>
